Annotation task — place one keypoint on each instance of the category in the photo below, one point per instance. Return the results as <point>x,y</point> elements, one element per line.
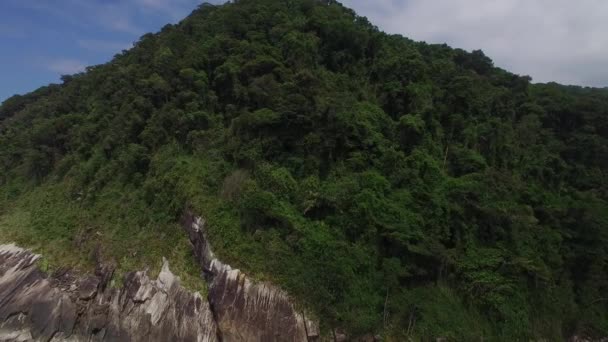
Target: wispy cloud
<point>176,9</point>
<point>112,15</point>
<point>97,45</point>
<point>116,16</point>
<point>157,4</point>
<point>120,23</point>
<point>11,32</point>
<point>66,66</point>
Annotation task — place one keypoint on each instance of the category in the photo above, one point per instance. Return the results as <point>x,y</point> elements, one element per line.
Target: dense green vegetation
<point>391,186</point>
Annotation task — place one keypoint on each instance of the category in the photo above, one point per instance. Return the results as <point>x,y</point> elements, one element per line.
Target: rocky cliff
<point>65,306</point>
<point>245,310</point>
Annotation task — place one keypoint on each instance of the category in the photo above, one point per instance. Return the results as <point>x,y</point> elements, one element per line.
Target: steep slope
<point>391,186</point>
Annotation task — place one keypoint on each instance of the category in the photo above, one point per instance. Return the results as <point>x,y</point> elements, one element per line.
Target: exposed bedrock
<point>66,307</point>
<point>246,310</point>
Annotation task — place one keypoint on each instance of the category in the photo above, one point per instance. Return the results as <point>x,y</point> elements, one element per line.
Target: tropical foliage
<point>391,186</point>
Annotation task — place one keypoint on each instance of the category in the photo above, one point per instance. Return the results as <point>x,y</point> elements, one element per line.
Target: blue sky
<point>551,40</point>
<point>43,39</point>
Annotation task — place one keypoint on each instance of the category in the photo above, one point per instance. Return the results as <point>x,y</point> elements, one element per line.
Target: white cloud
<point>66,66</point>
<point>551,40</point>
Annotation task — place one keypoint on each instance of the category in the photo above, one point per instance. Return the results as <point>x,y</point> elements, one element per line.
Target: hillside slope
<point>391,186</point>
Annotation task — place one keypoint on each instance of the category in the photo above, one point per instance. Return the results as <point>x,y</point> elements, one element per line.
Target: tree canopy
<point>391,186</point>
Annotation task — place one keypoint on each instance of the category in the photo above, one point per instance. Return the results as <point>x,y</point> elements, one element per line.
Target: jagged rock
<point>64,307</point>
<point>577,338</point>
<point>246,310</point>
<point>88,288</point>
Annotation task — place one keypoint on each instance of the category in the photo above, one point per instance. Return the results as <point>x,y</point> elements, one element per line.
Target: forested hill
<point>392,187</point>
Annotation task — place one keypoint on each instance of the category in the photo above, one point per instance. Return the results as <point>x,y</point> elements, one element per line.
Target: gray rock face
<point>67,307</point>
<point>64,307</point>
<point>246,310</point>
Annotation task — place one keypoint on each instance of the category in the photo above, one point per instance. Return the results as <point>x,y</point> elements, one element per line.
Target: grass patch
<point>68,232</point>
